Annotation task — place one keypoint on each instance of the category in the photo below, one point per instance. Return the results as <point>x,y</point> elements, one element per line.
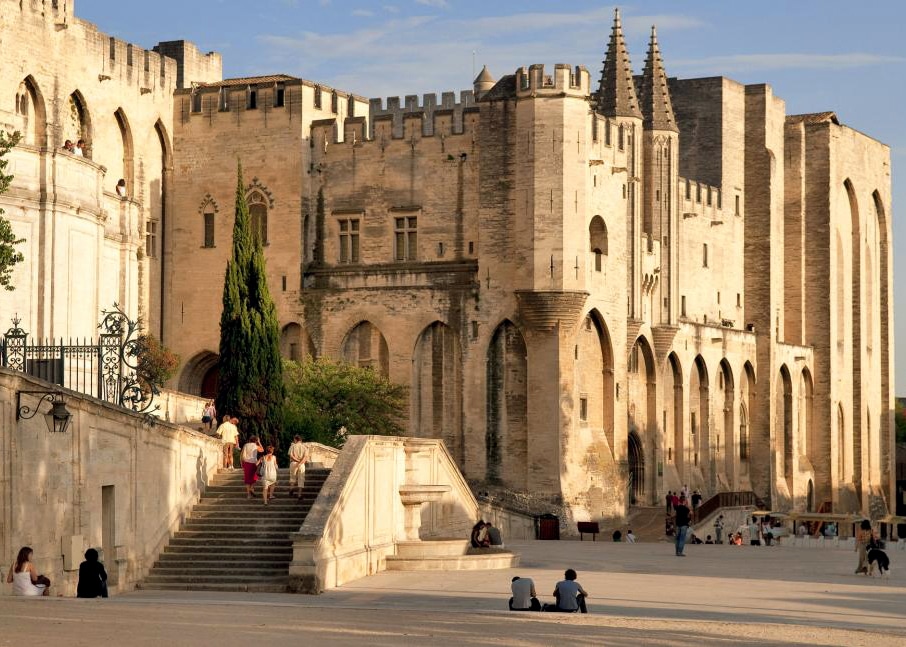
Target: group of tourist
<point>673,499</point>
<point>485,535</point>
<point>569,596</point>
<point>77,149</point>
<point>259,462</point>
<point>26,580</point>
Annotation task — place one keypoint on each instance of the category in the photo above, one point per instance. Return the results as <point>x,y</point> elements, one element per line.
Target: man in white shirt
<point>524,596</point>
<point>298,457</point>
<point>229,434</point>
<point>630,537</point>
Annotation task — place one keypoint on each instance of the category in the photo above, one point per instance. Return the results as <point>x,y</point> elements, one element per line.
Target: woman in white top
<point>24,576</point>
<point>270,473</point>
<point>249,460</point>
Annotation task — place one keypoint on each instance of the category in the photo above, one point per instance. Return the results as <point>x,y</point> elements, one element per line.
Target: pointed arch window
<point>258,204</point>
<point>597,236</point>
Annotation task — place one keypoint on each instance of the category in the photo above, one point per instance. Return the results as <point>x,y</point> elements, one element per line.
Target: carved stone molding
<point>544,309</point>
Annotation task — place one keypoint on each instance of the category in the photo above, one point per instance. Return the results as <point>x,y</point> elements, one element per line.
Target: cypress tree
<point>251,370</point>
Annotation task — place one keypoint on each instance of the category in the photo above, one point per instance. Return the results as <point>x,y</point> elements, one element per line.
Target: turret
<point>483,82</point>
<point>616,91</point>
<point>654,96</point>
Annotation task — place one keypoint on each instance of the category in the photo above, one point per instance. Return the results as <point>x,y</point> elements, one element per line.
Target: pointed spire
<point>616,91</point>
<point>654,95</point>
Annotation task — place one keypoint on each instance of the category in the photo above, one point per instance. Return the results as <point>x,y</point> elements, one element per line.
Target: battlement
<point>565,80</point>
<point>326,132</point>
<point>699,199</point>
<point>426,110</point>
<point>192,66</point>
<point>60,12</point>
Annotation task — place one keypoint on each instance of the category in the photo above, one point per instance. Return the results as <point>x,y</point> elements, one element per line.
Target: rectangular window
<point>129,55</point>
<point>738,300</point>
<point>694,422</point>
<point>112,48</point>
<point>405,231</point>
<point>224,99</point>
<point>598,258</point>
<point>471,247</point>
<point>318,98</point>
<point>334,102</point>
<point>283,280</point>
<point>280,96</point>
<point>683,306</point>
<point>209,230</point>
<point>583,409</point>
<point>151,239</point>
<point>350,107</point>
<point>349,240</point>
<point>737,205</point>
<point>705,255</point>
<point>251,100</point>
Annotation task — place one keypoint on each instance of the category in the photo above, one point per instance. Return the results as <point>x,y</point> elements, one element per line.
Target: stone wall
<point>114,481</point>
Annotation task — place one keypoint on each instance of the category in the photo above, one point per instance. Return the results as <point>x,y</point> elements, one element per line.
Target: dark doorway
<point>636,469</point>
<point>210,382</point>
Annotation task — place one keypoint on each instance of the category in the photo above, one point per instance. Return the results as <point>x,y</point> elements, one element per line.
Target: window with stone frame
<point>258,216</point>
<point>405,229</point>
<point>349,229</point>
<point>209,227</point>
<point>317,97</point>
<point>151,238</point>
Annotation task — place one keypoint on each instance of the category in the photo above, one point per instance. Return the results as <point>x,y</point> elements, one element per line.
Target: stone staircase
<point>647,523</point>
<point>232,543</point>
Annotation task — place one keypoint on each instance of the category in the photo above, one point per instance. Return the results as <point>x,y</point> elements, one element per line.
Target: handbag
<point>260,470</point>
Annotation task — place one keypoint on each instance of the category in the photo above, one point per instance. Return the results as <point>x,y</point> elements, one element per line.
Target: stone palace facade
<point>596,290</point>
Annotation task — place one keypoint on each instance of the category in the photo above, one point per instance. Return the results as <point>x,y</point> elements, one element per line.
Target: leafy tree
<point>251,370</point>
<point>900,418</point>
<point>326,400</point>
<point>156,363</point>
<point>9,256</point>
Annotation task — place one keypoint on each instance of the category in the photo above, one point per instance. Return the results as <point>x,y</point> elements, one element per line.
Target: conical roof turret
<point>483,82</point>
<point>654,95</point>
<point>616,92</point>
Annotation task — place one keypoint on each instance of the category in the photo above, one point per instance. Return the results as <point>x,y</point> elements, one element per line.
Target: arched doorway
<point>210,383</point>
<point>699,422</point>
<point>365,346</point>
<point>636,469</point>
<point>725,441</point>
<point>673,415</point>
<point>642,394</point>
<point>436,396</point>
<point>810,497</point>
<point>200,375</point>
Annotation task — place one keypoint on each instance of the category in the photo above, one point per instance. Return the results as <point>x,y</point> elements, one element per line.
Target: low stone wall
<point>513,526</point>
<point>115,481</point>
<point>357,518</point>
<point>179,407</point>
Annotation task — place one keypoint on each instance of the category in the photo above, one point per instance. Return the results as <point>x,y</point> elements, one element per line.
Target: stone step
<point>273,586</point>
<point>453,563</point>
<point>221,518</point>
<point>219,551</point>
<point>233,533</point>
<point>188,578</point>
<point>251,542</point>
<point>262,526</point>
<point>235,561</point>
<point>237,572</point>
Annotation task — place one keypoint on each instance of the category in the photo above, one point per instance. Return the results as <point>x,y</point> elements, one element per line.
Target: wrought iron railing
<point>105,368</point>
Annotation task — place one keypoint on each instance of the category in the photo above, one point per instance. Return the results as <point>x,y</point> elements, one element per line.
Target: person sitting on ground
<point>617,536</point>
<point>524,596</point>
<point>92,577</point>
<point>803,530</point>
<point>493,535</point>
<point>569,594</point>
<point>24,576</point>
<point>737,539</point>
<point>479,537</point>
<point>630,538</point>
<point>831,530</point>
<point>708,540</point>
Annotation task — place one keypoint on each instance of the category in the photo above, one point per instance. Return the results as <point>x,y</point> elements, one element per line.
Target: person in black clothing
<point>696,502</point>
<point>92,577</point>
<point>682,525</point>
<point>669,502</point>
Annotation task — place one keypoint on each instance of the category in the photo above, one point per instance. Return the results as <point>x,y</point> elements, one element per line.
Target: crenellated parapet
<point>398,112</point>
<point>565,81</point>
<point>700,199</point>
<point>444,131</point>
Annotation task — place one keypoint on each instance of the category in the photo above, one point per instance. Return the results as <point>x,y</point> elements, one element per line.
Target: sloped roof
<point>815,118</point>
<point>250,80</point>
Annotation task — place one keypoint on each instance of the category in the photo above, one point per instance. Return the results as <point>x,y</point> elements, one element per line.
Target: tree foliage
<point>156,363</point>
<point>9,255</point>
<point>250,367</point>
<point>326,400</point>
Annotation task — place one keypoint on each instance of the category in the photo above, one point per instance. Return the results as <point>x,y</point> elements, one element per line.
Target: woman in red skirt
<point>249,460</point>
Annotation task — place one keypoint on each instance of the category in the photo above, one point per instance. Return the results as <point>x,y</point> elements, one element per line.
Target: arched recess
<point>258,207</point>
<point>636,453</point>
<point>199,375</point>
<point>507,408</point>
<point>597,236</point>
<point>157,169</point>
<point>642,398</point>
<point>594,378</point>
<point>840,310</point>
<point>77,122</point>
<point>31,112</point>
<point>295,345</point>
<point>816,450</point>
<point>699,422</point>
<point>673,414</point>
<point>856,336</point>
<point>365,346</point>
<point>725,446</point>
<point>436,398</point>
<point>747,402</point>
<point>126,171</point>
<point>784,423</point>
<point>884,342</point>
<point>841,445</point>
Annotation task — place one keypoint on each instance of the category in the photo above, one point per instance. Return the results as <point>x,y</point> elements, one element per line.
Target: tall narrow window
<point>349,240</point>
<point>318,98</point>
<point>406,238</point>
<point>705,255</point>
<point>280,96</point>
<point>151,238</point>
<point>334,102</point>
<point>621,137</point>
<point>209,229</point>
<point>251,100</point>
<point>583,408</point>
<point>258,216</point>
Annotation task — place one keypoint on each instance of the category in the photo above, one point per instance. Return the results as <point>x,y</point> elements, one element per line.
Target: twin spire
<point>616,95</point>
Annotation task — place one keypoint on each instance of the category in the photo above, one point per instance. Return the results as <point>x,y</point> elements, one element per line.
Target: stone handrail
<point>358,517</point>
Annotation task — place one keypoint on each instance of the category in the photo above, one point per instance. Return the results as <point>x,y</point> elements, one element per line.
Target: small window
<point>224,99</point>
<point>598,260</point>
<point>209,229</point>
<point>258,216</point>
<point>624,191</point>
<point>283,282</point>
<point>607,135</point>
<point>334,102</point>
<point>694,422</point>
<point>318,98</point>
<point>471,247</point>
<point>112,48</point>
<point>583,409</point>
<point>196,102</point>
<point>683,306</point>
<point>151,238</point>
<point>718,298</point>
<point>251,101</point>
<point>349,240</point>
<point>621,137</point>
<point>406,238</point>
<point>737,205</point>
<point>350,107</point>
<point>280,96</point>
<point>704,254</point>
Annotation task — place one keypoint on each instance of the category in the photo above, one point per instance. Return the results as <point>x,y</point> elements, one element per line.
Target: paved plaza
<point>640,595</point>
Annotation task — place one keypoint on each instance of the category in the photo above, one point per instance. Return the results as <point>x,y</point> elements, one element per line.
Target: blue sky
<point>818,55</point>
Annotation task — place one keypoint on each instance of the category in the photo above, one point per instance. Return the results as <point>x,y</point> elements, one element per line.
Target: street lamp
<point>57,418</point>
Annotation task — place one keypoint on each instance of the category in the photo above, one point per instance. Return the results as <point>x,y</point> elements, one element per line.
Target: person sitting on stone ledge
<point>24,576</point>
<point>92,577</point>
<point>479,537</point>
<point>569,594</point>
<point>493,534</point>
<point>524,596</point>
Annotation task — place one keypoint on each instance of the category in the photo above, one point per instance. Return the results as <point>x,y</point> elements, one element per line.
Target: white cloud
<point>391,8</point>
<point>440,4</point>
<point>362,13</point>
<point>752,62</point>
